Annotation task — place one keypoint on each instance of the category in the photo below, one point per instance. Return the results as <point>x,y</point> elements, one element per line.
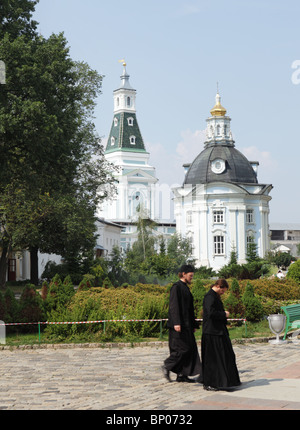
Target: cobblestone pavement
<point>130,378</point>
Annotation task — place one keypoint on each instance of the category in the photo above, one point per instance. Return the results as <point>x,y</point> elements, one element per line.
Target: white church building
<point>138,188</point>
<point>221,206</point>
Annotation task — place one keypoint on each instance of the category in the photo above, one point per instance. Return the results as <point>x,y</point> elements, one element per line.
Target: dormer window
<point>112,141</point>
<point>132,140</point>
<point>130,121</point>
<point>116,122</point>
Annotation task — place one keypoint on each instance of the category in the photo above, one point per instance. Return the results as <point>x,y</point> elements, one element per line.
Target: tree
<point>294,271</point>
<point>143,247</point>
<point>282,259</point>
<point>51,159</point>
<point>117,273</point>
<point>180,249</point>
<point>233,303</point>
<point>253,306</point>
<point>16,18</point>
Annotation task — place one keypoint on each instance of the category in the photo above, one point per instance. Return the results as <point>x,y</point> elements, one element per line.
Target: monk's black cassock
<point>218,358</point>
<point>184,356</point>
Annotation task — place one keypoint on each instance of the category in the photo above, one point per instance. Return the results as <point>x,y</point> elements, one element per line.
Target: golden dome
<point>218,109</point>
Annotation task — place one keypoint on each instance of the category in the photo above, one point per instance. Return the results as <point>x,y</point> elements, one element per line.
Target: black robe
<point>218,358</point>
<point>184,356</point>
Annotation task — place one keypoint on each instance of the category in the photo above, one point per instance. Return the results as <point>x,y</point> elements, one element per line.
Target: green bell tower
<point>136,178</point>
<point>125,133</point>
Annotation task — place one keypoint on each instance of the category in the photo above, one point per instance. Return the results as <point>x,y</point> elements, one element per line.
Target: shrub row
<point>58,301</point>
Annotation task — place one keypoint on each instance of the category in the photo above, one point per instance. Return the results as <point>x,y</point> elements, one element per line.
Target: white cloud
<point>264,157</point>
<point>191,145</point>
<point>169,166</point>
<point>267,165</point>
<point>189,9</point>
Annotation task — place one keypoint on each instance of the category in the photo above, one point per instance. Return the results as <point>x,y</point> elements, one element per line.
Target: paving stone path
<point>91,377</point>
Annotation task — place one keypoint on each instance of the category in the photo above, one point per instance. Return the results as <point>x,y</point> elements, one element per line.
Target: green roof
<point>121,134</point>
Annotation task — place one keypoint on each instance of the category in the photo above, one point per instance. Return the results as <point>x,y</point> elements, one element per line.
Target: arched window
<point>218,130</point>
<point>128,101</point>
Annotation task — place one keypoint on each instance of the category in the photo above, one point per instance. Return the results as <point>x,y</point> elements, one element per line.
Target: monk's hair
<point>222,283</point>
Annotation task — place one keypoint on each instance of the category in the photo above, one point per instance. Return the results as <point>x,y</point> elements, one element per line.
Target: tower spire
<point>218,109</point>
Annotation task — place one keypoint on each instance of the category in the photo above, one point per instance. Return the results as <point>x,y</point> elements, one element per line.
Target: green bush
<point>274,288</point>
<point>253,307</point>
<point>11,306</point>
<point>233,303</point>
<point>294,272</point>
<point>198,291</point>
<point>30,306</point>
<point>100,303</point>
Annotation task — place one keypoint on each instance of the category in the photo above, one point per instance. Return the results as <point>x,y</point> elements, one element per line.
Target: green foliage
<point>205,272</point>
<point>294,271</point>
<point>30,305</point>
<point>116,267</point>
<point>2,307</point>
<point>59,295</point>
<point>180,249</point>
<point>50,180</point>
<point>11,306</point>
<point>233,303</point>
<point>282,259</point>
<point>253,306</point>
<point>113,304</point>
<point>198,291</point>
<point>274,288</point>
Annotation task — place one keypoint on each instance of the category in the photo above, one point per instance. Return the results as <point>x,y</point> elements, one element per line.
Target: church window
<point>118,101</point>
<point>218,217</point>
<point>130,121</point>
<point>112,141</point>
<point>128,101</point>
<point>249,216</point>
<point>132,140</point>
<point>250,238</point>
<point>225,130</point>
<point>115,122</point>
<point>218,245</point>
<point>189,217</point>
<point>218,130</point>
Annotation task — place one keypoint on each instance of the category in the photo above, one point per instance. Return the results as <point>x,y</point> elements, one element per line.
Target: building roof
<point>121,133</point>
<point>110,223</point>
<point>284,226</point>
<point>237,169</point>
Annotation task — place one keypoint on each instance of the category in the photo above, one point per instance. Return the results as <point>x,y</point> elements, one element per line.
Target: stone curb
<point>118,344</point>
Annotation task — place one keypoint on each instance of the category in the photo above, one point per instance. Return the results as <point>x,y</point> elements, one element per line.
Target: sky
<point>176,52</point>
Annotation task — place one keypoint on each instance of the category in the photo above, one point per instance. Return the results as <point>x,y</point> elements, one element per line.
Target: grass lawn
<point>16,338</point>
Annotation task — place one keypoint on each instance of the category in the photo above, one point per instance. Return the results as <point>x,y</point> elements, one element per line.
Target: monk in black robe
<point>218,358</point>
<point>184,357</point>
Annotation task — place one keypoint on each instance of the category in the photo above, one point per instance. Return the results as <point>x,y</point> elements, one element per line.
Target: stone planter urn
<point>277,325</point>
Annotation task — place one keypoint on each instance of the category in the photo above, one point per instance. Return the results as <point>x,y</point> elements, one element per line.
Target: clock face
<point>218,166</point>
